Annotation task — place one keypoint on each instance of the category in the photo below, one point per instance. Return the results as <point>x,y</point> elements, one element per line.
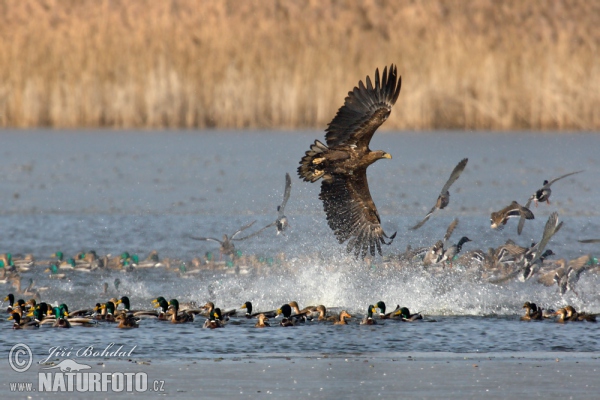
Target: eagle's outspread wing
<point>351,213</point>
<point>364,110</point>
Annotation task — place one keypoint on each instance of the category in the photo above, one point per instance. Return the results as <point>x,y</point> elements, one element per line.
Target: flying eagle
<point>343,162</point>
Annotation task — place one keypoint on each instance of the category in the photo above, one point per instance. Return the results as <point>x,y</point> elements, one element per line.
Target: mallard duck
<point>576,267</point>
<point>11,301</point>
<point>18,324</point>
<point>214,320</point>
<point>305,313</point>
<point>532,313</point>
<point>177,318</point>
<point>161,302</point>
<point>127,321</point>
<point>288,318</point>
<point>451,253</point>
<point>541,195</point>
<point>54,274</point>
<point>248,307</point>
<point>61,321</point>
<point>444,198</point>
<point>436,252</point>
<point>209,308</point>
<point>382,315</point>
<point>227,248</point>
<point>500,218</point>
<point>281,223</point>
<point>573,315</point>
<point>342,318</point>
<point>406,316</point>
<point>562,315</point>
<point>368,320</point>
<point>262,321</point>
<point>322,312</point>
<point>42,313</point>
<point>107,311</point>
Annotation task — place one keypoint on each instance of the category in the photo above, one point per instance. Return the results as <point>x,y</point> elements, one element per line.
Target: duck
<point>573,315</point>
<point>368,320</point>
<point>444,198</point>
<point>306,312</point>
<point>543,194</point>
<point>576,267</point>
<point>61,320</point>
<point>11,301</point>
<point>248,307</point>
<point>227,248</point>
<point>288,318</point>
<point>406,316</point>
<point>562,315</point>
<point>281,223</point>
<point>499,218</point>
<point>532,313</point>
<point>209,308</point>
<point>127,321</point>
<point>342,318</point>
<point>42,313</point>
<point>108,311</point>
<point>18,324</point>
<point>177,318</point>
<point>382,315</point>
<point>213,321</point>
<point>262,321</point>
<point>451,253</point>
<point>54,274</point>
<point>161,302</point>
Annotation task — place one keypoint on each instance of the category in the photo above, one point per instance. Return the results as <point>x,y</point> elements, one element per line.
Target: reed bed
<point>478,64</point>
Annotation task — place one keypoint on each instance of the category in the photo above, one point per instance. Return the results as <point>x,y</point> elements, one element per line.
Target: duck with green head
<point>368,320</point>
<point>382,314</point>
<point>249,314</point>
<point>11,302</point>
<point>108,311</point>
<point>406,316</point>
<point>177,318</point>
<point>23,324</point>
<point>288,318</point>
<point>161,302</point>
<point>214,320</point>
<point>61,318</point>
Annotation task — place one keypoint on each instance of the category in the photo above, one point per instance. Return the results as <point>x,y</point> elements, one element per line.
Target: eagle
<point>342,163</point>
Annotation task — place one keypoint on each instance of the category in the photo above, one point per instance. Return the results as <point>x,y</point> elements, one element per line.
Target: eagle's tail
<point>311,166</point>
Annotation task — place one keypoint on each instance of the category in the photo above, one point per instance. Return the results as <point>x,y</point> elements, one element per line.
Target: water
<point>115,191</point>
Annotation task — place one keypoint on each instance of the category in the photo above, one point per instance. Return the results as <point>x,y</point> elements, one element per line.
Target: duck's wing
<point>589,241</point>
<point>243,228</point>
<point>450,229</point>
<point>560,177</point>
<point>522,216</point>
<point>460,167</point>
<point>420,224</point>
<point>258,232</point>
<point>286,194</point>
<point>206,238</point>
<point>551,228</point>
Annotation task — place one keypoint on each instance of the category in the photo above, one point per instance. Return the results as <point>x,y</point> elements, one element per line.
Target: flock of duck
<point>31,314</point>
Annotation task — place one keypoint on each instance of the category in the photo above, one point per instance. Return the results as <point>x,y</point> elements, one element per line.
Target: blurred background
<point>266,64</point>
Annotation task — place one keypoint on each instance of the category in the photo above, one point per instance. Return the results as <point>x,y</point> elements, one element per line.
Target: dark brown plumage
<point>343,162</point>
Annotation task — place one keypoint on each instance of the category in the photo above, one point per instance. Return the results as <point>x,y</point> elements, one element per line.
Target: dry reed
<point>479,64</point>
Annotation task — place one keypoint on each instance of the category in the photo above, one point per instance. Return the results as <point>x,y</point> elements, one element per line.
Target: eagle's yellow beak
<point>387,155</point>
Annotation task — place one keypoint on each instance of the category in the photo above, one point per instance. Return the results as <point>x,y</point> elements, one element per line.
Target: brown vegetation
<point>479,64</point>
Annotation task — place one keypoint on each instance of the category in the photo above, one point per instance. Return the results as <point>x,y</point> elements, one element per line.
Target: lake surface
<point>115,191</point>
